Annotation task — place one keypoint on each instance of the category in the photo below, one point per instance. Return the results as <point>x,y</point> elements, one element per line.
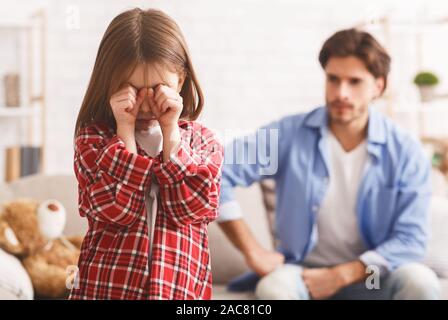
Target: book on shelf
<point>12,89</point>
<point>22,161</point>
<point>29,160</point>
<point>12,163</point>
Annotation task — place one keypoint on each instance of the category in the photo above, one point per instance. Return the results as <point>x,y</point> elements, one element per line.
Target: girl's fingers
<point>159,100</point>
<point>155,109</point>
<point>122,104</point>
<point>124,97</point>
<point>126,92</point>
<point>125,106</point>
<point>164,105</point>
<point>135,107</point>
<point>163,99</point>
<point>140,97</point>
<point>131,90</point>
<point>150,94</point>
<point>170,103</point>
<point>143,92</point>
<point>162,92</point>
<point>152,103</point>
<point>157,90</point>
<point>128,102</point>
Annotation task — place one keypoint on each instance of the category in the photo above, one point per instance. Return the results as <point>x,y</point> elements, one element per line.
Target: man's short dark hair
<point>360,44</point>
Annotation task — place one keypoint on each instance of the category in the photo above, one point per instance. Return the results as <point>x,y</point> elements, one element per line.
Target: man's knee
<point>284,283</point>
<point>415,281</point>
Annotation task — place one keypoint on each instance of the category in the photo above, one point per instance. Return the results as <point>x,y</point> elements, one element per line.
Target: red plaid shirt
<point>114,260</point>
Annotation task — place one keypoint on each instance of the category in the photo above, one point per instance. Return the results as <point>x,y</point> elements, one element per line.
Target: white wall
<point>257,60</point>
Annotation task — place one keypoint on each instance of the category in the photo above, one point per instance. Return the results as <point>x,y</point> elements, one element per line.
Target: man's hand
<point>323,283</point>
<point>264,261</point>
<point>260,260</point>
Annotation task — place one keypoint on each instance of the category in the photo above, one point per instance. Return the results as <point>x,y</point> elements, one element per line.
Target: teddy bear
<point>32,231</point>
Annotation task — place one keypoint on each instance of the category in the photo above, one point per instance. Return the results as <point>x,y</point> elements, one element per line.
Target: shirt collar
<point>376,132</point>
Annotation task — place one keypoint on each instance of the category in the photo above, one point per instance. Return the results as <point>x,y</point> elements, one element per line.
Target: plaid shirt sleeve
<point>190,179</point>
<point>113,178</point>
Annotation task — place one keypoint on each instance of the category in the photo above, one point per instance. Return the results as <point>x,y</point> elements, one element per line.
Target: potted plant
<point>426,82</point>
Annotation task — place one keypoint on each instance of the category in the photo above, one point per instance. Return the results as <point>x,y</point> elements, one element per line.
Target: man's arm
<point>325,282</point>
<point>351,272</point>
<point>259,259</point>
<point>238,171</point>
<point>408,234</point>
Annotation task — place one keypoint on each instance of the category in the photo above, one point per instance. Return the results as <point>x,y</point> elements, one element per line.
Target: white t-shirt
<point>339,238</point>
<point>151,141</point>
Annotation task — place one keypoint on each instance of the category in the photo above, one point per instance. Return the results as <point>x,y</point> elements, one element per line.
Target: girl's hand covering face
<point>133,107</point>
<point>166,104</point>
<point>125,104</point>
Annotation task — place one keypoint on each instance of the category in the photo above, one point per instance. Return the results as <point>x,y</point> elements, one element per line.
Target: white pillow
<point>14,280</point>
<point>437,255</point>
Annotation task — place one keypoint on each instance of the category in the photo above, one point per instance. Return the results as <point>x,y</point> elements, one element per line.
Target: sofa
<point>227,262</point>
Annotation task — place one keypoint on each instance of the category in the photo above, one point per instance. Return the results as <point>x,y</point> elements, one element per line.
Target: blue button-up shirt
<point>392,201</point>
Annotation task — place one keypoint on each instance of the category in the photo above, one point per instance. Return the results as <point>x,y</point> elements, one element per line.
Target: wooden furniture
<point>23,85</point>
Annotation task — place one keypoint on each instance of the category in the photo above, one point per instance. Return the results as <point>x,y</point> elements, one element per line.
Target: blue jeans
<point>412,281</point>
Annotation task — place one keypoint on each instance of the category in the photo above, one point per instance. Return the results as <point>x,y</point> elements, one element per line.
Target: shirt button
<point>315,208</point>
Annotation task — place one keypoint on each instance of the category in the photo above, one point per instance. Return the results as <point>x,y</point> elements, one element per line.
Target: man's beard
<point>337,109</point>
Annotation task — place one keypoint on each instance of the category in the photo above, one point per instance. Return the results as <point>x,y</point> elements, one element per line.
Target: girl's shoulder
<point>94,134</point>
<point>198,135</point>
<point>195,128</point>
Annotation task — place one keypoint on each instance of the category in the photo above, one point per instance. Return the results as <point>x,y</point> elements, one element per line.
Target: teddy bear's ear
<point>8,239</point>
<point>22,218</point>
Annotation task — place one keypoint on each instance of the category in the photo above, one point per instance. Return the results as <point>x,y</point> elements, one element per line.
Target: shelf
<point>25,124</point>
<point>15,112</point>
<point>437,105</point>
<point>15,25</point>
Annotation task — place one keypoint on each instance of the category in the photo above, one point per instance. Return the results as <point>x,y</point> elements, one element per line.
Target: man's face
<point>350,88</point>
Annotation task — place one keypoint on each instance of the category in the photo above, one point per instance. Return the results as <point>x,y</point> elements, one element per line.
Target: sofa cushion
<point>60,187</point>
<point>437,255</point>
<point>5,193</point>
<point>14,280</point>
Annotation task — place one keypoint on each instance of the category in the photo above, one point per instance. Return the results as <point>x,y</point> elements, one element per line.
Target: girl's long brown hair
<point>137,37</point>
